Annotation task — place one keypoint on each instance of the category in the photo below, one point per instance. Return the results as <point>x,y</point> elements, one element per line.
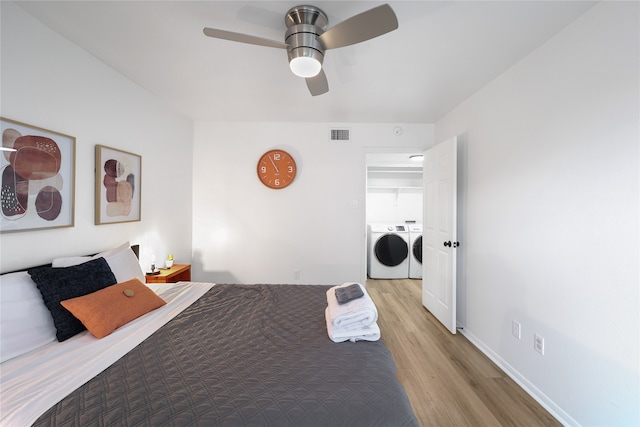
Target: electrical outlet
<point>516,329</point>
<point>538,343</point>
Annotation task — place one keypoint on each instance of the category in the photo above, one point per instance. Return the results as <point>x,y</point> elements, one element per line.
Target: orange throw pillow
<point>104,311</point>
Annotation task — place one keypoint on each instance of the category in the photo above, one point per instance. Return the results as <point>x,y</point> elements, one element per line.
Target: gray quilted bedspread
<point>244,355</point>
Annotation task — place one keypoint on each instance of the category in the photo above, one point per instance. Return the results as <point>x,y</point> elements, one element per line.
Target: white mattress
<point>32,383</point>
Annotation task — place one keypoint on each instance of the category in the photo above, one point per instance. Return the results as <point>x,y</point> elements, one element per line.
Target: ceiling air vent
<point>339,135</point>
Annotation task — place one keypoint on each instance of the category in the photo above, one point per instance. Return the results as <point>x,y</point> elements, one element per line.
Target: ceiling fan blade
<point>364,26</point>
<point>242,38</point>
<point>318,84</point>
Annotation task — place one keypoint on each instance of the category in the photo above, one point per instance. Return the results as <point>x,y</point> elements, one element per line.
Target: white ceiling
<point>442,53</point>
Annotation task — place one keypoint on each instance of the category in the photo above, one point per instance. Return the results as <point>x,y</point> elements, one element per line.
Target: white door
<point>439,239</point>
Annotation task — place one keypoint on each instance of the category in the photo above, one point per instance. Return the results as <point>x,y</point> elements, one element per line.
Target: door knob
<point>456,244</point>
<point>447,243</point>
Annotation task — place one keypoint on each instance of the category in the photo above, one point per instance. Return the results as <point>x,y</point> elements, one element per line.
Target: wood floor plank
<point>448,380</point>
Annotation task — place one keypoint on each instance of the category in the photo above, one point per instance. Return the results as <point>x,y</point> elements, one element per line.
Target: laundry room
<point>394,208</point>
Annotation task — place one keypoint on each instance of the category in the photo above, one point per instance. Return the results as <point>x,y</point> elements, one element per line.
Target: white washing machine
<point>387,251</point>
<point>415,247</point>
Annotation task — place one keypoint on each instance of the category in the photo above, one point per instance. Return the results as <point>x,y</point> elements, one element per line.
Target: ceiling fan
<point>306,39</point>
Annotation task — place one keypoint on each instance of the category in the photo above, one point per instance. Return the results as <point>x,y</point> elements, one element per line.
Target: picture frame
<point>118,190</point>
<point>38,178</point>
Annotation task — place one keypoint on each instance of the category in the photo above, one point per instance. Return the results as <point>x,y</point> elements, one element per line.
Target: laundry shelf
<point>398,188</point>
<point>394,178</point>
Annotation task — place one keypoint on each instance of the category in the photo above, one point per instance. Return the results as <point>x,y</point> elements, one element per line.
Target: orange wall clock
<point>276,169</point>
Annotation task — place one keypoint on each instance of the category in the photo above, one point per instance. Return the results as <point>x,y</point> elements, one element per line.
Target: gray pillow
<point>59,284</point>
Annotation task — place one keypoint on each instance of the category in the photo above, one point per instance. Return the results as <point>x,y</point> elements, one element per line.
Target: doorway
<point>393,191</point>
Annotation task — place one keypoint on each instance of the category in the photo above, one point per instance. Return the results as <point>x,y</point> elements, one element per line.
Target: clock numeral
<point>263,169</point>
<point>277,183</point>
<point>290,169</point>
<point>276,156</point>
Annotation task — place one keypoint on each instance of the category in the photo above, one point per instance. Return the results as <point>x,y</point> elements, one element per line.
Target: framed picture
<point>118,185</point>
<point>38,178</point>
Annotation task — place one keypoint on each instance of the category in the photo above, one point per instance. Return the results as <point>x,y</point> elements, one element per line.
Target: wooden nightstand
<point>177,273</point>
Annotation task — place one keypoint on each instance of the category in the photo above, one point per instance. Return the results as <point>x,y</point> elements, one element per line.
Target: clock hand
<point>274,165</point>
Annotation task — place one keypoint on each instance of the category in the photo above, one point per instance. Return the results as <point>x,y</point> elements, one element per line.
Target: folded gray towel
<point>348,293</point>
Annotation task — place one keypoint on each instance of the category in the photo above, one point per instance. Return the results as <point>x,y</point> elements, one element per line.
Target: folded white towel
<point>355,314</point>
<point>367,333</point>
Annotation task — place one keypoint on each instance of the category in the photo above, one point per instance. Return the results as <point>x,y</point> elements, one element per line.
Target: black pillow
<point>59,284</point>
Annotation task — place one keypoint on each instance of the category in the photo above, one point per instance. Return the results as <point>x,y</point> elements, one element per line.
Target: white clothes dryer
<point>387,251</point>
<point>415,246</point>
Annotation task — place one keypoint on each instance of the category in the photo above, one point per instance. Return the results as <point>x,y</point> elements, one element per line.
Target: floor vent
<point>339,135</point>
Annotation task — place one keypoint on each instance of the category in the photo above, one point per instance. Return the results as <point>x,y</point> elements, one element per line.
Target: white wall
<point>48,82</point>
<point>550,220</point>
<point>394,206</point>
<point>244,232</point>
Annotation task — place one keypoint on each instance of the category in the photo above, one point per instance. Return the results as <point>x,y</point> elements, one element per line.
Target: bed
<point>211,354</point>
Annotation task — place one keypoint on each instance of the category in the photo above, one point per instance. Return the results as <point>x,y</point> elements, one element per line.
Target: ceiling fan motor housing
<point>304,25</point>
<point>306,15</point>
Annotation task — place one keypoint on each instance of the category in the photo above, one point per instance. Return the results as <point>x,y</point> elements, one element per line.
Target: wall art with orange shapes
<point>37,167</point>
<point>118,189</point>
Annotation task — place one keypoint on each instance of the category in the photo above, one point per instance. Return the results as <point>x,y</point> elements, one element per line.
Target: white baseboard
<point>527,386</point>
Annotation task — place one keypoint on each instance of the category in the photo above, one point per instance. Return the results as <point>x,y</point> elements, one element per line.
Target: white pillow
<point>124,263</point>
<point>25,322</point>
<point>121,260</point>
<point>70,261</point>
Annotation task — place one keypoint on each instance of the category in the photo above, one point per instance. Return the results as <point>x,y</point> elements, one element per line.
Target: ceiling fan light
<point>304,66</point>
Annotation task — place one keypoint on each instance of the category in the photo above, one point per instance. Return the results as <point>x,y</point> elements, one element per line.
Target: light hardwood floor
<point>448,380</point>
